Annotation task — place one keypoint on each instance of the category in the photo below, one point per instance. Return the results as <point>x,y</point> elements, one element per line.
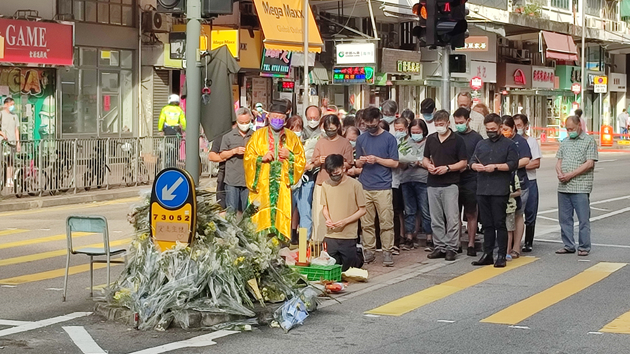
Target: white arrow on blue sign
<point>172,189</point>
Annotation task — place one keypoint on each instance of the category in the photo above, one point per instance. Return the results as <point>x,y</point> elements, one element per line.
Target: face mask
<point>461,127</point>
<point>520,131</point>
<point>372,130</point>
<point>507,134</point>
<point>336,178</point>
<point>417,137</point>
<point>494,136</point>
<point>389,120</point>
<point>441,130</point>
<point>331,133</point>
<point>400,135</point>
<point>353,143</point>
<point>276,123</point>
<point>11,108</point>
<point>573,135</point>
<point>313,124</point>
<point>259,109</point>
<point>243,127</point>
<point>427,116</point>
<point>299,134</point>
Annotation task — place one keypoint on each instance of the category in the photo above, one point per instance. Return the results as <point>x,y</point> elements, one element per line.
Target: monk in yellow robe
<point>274,161</point>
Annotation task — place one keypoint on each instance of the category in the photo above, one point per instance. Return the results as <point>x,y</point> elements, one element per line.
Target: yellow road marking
<point>51,274</point>
<point>42,239</point>
<point>70,207</point>
<point>620,324</point>
<point>57,253</point>
<point>414,301</point>
<point>11,232</point>
<point>536,303</point>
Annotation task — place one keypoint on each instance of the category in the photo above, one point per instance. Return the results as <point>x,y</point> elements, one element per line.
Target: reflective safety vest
<point>172,116</point>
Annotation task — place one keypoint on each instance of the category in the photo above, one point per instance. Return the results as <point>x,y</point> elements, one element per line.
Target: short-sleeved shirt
<point>471,138</point>
<point>325,147</point>
<point>536,155</point>
<point>523,151</point>
<point>441,153</point>
<point>574,153</point>
<point>376,177</point>
<point>342,201</point>
<point>234,170</point>
<point>9,123</point>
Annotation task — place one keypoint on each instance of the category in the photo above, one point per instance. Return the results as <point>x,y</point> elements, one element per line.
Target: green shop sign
<point>568,75</point>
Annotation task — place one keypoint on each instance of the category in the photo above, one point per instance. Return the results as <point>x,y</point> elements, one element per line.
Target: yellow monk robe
<point>269,183</point>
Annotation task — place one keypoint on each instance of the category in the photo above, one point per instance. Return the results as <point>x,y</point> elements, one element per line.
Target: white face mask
<point>313,124</point>
<point>441,130</point>
<point>299,134</point>
<point>243,127</point>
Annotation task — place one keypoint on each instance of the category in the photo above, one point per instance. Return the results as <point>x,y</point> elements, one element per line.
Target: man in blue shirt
<point>377,154</point>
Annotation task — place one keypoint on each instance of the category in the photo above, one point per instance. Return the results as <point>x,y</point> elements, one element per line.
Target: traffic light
<point>441,23</point>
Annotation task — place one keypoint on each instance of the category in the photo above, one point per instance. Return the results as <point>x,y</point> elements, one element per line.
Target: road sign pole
<point>193,86</point>
<point>446,80</point>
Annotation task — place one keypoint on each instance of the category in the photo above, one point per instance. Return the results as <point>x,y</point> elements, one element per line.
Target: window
<point>562,4</point>
<point>111,12</point>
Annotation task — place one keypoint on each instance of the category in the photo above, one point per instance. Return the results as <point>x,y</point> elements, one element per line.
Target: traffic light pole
<point>446,80</point>
<point>193,86</point>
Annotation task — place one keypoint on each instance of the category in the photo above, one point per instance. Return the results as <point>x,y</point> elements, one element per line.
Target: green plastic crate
<point>316,273</point>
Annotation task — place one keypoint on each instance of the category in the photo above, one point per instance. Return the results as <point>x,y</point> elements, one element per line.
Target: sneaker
<point>430,246</point>
<point>388,260</point>
<point>508,257</point>
<point>395,251</point>
<point>406,247</point>
<point>368,256</point>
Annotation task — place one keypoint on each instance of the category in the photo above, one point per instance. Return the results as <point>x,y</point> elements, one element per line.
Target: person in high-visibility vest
<point>172,118</point>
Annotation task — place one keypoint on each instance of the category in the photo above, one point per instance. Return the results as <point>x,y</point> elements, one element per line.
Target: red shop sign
<point>36,42</point>
<point>519,77</point>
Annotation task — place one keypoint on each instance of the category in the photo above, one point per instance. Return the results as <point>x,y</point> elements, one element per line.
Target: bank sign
<point>33,42</point>
<point>356,53</point>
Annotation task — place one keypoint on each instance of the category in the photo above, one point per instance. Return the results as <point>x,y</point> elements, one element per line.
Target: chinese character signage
<point>353,75</point>
<point>543,78</point>
<point>276,63</point>
<point>475,44</point>
<point>356,53</point>
<point>405,66</point>
<point>617,82</point>
<point>33,42</point>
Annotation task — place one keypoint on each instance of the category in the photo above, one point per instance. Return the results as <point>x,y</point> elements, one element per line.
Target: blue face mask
<point>400,135</point>
<point>11,109</point>
<point>389,120</point>
<point>417,137</point>
<point>427,116</point>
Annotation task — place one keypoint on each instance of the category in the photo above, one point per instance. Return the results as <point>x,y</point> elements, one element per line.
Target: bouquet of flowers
<point>226,269</point>
<point>406,152</point>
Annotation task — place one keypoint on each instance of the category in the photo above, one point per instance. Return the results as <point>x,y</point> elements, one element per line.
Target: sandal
<point>564,251</point>
<point>515,254</point>
<point>582,253</point>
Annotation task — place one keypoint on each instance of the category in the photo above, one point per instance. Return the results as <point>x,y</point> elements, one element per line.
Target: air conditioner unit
<point>503,42</point>
<point>521,54</point>
<point>614,26</point>
<point>592,22</point>
<point>553,63</point>
<point>156,22</point>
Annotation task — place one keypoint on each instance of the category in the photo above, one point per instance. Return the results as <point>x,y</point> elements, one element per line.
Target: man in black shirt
<point>444,157</point>
<point>468,177</point>
<point>494,159</point>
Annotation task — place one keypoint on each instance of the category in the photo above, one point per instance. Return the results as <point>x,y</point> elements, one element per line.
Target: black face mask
<point>494,136</point>
<point>336,178</point>
<point>331,133</point>
<point>372,130</point>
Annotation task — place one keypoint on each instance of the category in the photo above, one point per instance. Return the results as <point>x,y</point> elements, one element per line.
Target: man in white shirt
<point>11,134</point>
<point>531,204</point>
<point>622,122</point>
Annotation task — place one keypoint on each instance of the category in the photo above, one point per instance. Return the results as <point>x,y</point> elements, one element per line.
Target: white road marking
<point>554,229</point>
<point>54,289</point>
<point>546,218</point>
<point>13,323</point>
<point>8,286</point>
<point>592,203</point>
<point>599,161</point>
<point>195,342</point>
<point>519,327</point>
<point>83,340</point>
<point>446,321</point>
<point>594,244</point>
<point>599,209</point>
<point>595,333</point>
<point>371,315</point>
<point>43,323</point>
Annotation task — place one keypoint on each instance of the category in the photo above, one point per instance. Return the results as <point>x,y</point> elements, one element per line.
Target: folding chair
<point>96,224</point>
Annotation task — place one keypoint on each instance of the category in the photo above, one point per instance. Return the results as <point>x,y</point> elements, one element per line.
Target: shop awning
<point>625,10</point>
<point>282,22</point>
<point>560,46</point>
<point>319,75</point>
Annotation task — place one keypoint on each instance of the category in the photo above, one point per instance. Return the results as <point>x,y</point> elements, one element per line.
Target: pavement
<point>543,303</point>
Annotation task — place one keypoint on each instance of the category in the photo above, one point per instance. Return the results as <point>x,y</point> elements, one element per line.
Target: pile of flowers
<point>227,269</point>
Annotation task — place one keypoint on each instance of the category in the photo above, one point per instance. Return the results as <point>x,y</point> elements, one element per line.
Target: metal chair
<point>96,224</point>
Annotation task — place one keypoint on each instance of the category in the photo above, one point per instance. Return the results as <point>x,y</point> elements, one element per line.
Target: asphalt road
<point>546,303</point>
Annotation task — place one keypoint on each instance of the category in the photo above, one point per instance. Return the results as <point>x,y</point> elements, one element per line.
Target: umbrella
<point>217,113</point>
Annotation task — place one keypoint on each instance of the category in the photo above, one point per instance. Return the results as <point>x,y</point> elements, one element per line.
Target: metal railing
<point>69,165</point>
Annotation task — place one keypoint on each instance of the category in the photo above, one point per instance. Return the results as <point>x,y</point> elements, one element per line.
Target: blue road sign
<point>172,189</point>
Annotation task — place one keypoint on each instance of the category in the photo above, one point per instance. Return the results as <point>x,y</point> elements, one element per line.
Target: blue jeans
<point>568,203</point>
<point>303,200</point>
<point>416,198</point>
<point>236,197</point>
<point>531,205</point>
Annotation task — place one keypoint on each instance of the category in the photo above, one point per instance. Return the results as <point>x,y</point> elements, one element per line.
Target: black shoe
<point>470,251</point>
<point>450,256</point>
<point>460,250</point>
<point>486,259</point>
<point>436,254</point>
<point>529,238</point>
<point>501,262</point>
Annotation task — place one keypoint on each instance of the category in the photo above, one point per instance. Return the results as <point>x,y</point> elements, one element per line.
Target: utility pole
<point>446,80</point>
<point>582,61</point>
<point>306,101</point>
<point>193,86</point>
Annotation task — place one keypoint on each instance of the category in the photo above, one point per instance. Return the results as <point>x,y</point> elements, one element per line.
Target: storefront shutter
<point>161,90</point>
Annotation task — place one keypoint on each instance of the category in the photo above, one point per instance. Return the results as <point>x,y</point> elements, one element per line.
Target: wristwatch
<point>448,168</point>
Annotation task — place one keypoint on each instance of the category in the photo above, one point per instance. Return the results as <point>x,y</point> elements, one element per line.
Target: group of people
<point>384,178</point>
